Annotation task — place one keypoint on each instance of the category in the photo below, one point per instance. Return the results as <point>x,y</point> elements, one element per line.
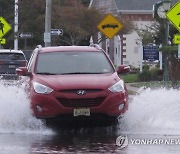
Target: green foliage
<point>146,67</point>
<point>145,75</point>
<point>169,49</point>
<point>155,33</point>
<point>156,74</point>
<point>153,74</point>
<point>160,31</point>
<point>130,78</point>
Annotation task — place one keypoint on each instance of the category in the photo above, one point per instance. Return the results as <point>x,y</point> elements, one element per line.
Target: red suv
<point>74,82</point>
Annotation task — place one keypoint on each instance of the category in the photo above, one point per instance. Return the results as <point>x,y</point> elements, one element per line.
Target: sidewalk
<point>131,89</point>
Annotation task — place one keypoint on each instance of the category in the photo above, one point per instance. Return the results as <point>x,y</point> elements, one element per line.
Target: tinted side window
<point>12,56</point>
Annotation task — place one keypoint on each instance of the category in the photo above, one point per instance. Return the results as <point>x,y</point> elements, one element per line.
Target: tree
<point>156,32</point>
<point>32,21</point>
<point>73,16</point>
<point>128,26</point>
<point>147,34</point>
<point>78,23</point>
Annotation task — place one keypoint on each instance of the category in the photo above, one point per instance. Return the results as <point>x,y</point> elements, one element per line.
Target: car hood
<point>80,81</point>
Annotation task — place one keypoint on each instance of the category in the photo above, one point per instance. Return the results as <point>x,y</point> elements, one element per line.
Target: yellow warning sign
<point>4,27</point>
<point>2,41</point>
<point>176,39</point>
<point>110,26</point>
<point>173,15</point>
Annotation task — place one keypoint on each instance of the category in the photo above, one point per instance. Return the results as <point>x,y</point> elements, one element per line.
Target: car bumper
<point>50,106</point>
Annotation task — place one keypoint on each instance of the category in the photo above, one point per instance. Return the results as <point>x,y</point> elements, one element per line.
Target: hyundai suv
<point>9,61</point>
<point>75,82</point>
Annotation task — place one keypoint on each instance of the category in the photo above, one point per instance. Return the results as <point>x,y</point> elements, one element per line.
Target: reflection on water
<point>97,140</point>
<point>85,140</point>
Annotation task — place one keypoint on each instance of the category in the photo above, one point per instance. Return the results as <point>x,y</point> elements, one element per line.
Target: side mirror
<point>23,71</point>
<point>123,69</point>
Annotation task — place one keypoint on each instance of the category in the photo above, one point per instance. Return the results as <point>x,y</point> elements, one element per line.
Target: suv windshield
<point>73,63</point>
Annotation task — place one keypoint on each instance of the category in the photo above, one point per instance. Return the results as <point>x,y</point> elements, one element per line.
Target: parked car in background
<point>9,61</point>
<point>75,83</point>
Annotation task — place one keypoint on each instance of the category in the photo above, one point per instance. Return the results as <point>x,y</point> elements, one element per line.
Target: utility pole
<point>16,25</point>
<point>166,6</point>
<point>47,34</point>
<point>166,56</point>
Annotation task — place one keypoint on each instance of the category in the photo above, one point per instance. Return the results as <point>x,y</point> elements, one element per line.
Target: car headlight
<point>41,89</point>
<point>117,87</point>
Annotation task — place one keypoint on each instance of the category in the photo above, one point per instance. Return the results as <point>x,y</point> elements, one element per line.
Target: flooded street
<point>151,124</point>
<point>82,142</point>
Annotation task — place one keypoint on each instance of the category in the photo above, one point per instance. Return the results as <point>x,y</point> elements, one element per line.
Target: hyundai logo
<point>81,92</point>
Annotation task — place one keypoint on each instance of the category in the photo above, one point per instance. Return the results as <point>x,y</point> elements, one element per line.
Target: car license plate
<point>12,66</point>
<point>82,112</point>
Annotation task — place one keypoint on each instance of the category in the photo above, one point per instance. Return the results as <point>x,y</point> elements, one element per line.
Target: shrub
<point>145,75</point>
<point>156,74</point>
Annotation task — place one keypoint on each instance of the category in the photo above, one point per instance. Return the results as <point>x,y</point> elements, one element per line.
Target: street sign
<point>109,26</point>
<point>25,35</point>
<point>173,15</point>
<point>56,32</point>
<point>150,53</point>
<point>4,27</point>
<point>176,39</point>
<point>47,37</point>
<point>2,41</point>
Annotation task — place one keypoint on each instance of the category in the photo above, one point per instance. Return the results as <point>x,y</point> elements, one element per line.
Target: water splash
<point>15,112</point>
<point>154,111</point>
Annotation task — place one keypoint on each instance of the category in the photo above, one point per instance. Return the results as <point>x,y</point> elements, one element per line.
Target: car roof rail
<point>39,48</point>
<point>95,46</point>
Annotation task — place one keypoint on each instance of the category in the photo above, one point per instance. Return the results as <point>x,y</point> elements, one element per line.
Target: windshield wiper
<point>46,73</point>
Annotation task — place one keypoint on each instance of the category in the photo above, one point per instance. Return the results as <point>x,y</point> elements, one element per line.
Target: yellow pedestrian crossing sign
<point>4,27</point>
<point>109,26</point>
<point>173,15</point>
<point>176,39</point>
<point>2,41</point>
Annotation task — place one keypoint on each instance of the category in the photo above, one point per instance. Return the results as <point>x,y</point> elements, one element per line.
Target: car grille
<point>75,90</point>
<point>89,102</point>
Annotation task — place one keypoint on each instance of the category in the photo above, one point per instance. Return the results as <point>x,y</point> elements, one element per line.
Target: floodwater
<point>153,115</point>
